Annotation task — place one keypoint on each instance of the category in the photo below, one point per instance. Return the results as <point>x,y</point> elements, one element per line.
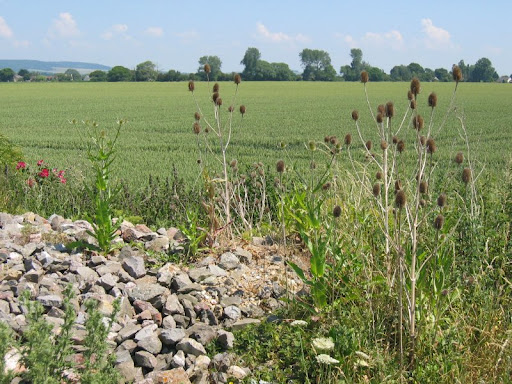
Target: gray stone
<point>225,339</point>
<point>178,360</point>
<point>108,281</point>
<point>230,300</point>
<point>181,321</point>
<point>45,258</point>
<point>127,370</point>
<point>154,293</point>
<point>180,280</point>
<point>159,244</point>
<point>237,372</point>
<point>112,267</point>
<point>202,362</point>
<point>167,273</point>
<point>152,344</point>
<point>5,307</point>
<point>128,332</point>
<point>228,261</point>
<point>128,345</point>
<point>34,276</point>
<point>199,274</point>
<point>87,274</point>
<point>192,287</point>
<point>222,361</point>
<point>145,359</point>
<point>168,322</point>
<point>134,265</point>
<point>232,312</point>
<point>202,333</point>
<point>191,347</point>
<point>173,306</point>
<point>244,256</point>
<point>50,300</point>
<point>240,324</point>
<point>123,355</point>
<point>145,332</point>
<point>172,336</point>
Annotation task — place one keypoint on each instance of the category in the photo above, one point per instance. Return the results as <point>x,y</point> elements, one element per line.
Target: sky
<point>175,34</point>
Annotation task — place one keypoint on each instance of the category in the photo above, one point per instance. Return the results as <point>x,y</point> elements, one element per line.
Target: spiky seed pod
<point>355,115</point>
<point>398,185</point>
<point>231,109</point>
<point>395,139</point>
<point>378,175</point>
<point>336,211</point>
<point>423,187</point>
<point>191,86</point>
<point>431,145</point>
<point>432,100</point>
<point>197,116</point>
<point>326,186</point>
<point>383,145</point>
<point>197,128</point>
<point>379,118</point>
<point>364,77</point>
<point>348,139</point>
<point>218,101</point>
<point>390,109</point>
<point>242,109</point>
<point>423,202</point>
<point>216,87</point>
<point>206,130</point>
<point>466,175</point>
<point>198,161</point>
<point>457,73</point>
<point>282,144</point>
<point>418,122</point>
<point>410,96</point>
<point>381,109</point>
<point>413,104</point>
<point>441,200</point>
<point>327,139</point>
<point>312,145</point>
<point>207,68</point>
<point>423,141</point>
<point>376,189</point>
<point>237,79</point>
<point>415,86</point>
<point>400,199</point>
<point>400,147</point>
<point>280,166</point>
<point>215,96</point>
<point>333,140</point>
<point>439,222</point>
<point>459,158</point>
<point>233,163</point>
<point>369,145</point>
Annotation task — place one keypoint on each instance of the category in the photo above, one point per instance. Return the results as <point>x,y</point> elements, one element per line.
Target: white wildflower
<point>326,359</point>
<point>323,343</point>
<point>362,355</point>
<point>299,323</point>
<point>361,363</point>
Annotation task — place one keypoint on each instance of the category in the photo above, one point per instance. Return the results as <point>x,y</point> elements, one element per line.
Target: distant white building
<point>504,79</point>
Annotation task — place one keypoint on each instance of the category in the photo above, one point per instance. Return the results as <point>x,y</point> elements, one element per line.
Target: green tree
<point>416,70</point>
<point>483,71</point>
<point>6,74</point>
<point>146,71</point>
<point>250,61</point>
<point>465,69</point>
<point>215,67</point>
<point>73,74</point>
<point>377,74</point>
<point>282,72</point>
<point>24,73</point>
<point>98,76</point>
<point>400,73</point>
<point>357,63</point>
<point>119,73</point>
<point>317,65</point>
<point>442,74</point>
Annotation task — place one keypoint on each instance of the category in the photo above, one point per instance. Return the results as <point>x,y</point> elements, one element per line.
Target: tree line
<point>316,65</point>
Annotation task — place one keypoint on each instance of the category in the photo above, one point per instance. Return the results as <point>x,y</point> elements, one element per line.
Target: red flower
<point>21,165</point>
<point>44,173</point>
<point>60,174</point>
<point>39,163</point>
<point>63,180</point>
<point>31,182</point>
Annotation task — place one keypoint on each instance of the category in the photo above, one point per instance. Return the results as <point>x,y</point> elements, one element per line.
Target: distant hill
<point>51,66</point>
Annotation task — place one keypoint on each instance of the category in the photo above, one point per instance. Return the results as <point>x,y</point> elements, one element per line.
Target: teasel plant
<point>410,210</point>
<point>221,128</point>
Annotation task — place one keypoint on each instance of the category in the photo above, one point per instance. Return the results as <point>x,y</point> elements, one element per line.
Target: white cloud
<point>393,39</point>
<point>5,30</point>
<point>115,30</point>
<point>279,37</point>
<point>154,32</point>
<point>188,36</point>
<point>436,37</point>
<point>64,26</point>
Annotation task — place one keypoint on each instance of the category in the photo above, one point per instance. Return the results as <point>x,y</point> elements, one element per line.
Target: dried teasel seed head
<point>395,139</point>
<point>383,145</point>
<point>400,147</point>
<point>355,115</point>
<point>413,104</point>
<point>231,109</point>
<point>197,128</point>
<point>207,68</point>
<point>333,140</point>
<point>280,166</point>
<point>312,145</point>
<point>378,175</point>
<point>197,116</point>
<point>216,87</point>
<point>336,211</point>
<point>459,158</point>
<point>457,73</point>
<point>327,139</point>
<point>423,187</point>
<point>191,86</point>
<point>242,109</point>
<point>379,118</point>
<point>218,101</point>
<point>415,86</point>
<point>237,79</point>
<point>410,96</point>
<point>206,130</point>
<point>364,77</point>
<point>376,189</point>
<point>348,139</point>
<point>432,100</point>
<point>381,109</point>
<point>326,186</point>
<point>466,175</point>
<point>198,161</point>
<point>398,185</point>
<point>441,200</point>
<point>423,202</point>
<point>368,145</point>
<point>418,122</point>
<point>400,199</point>
<point>439,222</point>
<point>233,163</point>
<point>431,145</point>
<point>390,109</point>
<point>423,141</point>
<point>215,96</point>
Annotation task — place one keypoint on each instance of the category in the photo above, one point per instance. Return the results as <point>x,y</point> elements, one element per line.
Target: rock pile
<point>169,313</point>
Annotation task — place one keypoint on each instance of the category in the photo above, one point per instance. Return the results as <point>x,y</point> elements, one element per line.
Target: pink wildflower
<point>39,163</point>
<point>44,173</point>
<point>31,182</point>
<point>21,165</point>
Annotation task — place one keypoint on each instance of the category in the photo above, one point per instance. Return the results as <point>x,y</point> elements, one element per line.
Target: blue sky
<point>174,34</point>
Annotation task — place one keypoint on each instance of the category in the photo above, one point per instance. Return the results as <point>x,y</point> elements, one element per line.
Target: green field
<point>159,134</point>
